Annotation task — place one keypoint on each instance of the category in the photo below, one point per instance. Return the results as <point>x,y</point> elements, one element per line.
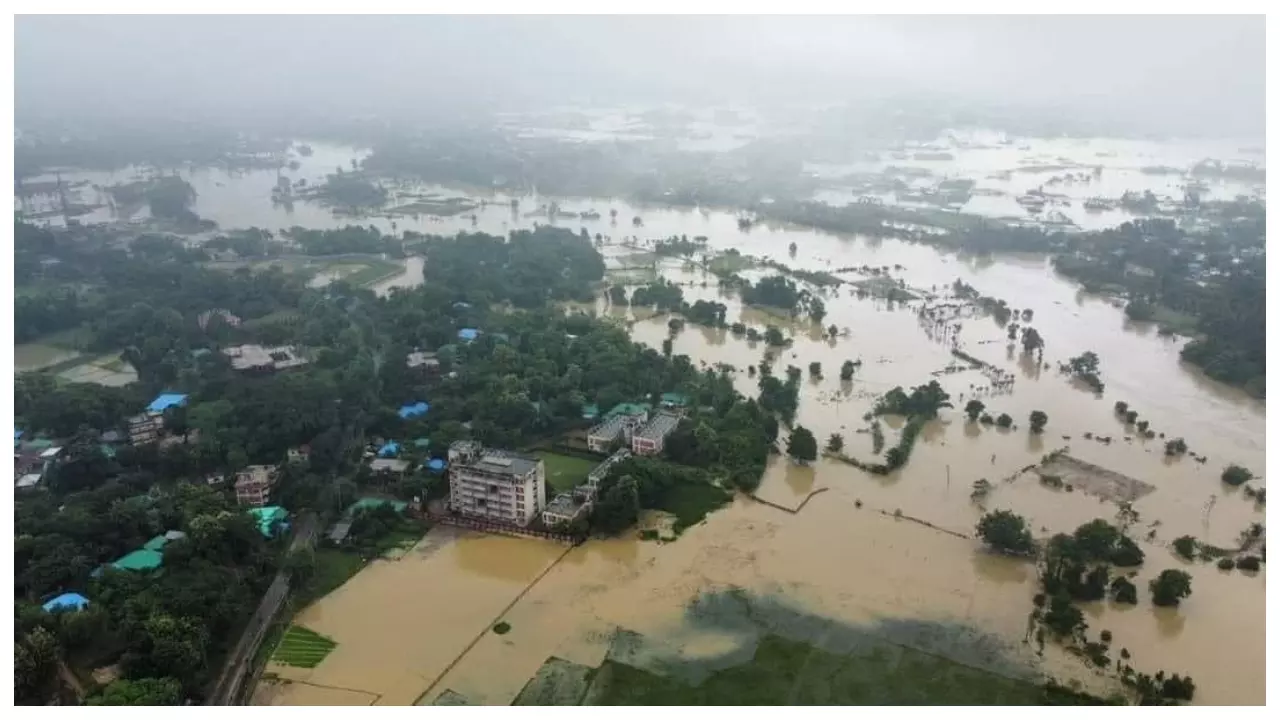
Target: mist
<point>1169,75</point>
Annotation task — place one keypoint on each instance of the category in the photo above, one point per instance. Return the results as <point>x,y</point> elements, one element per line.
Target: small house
<point>65,602</point>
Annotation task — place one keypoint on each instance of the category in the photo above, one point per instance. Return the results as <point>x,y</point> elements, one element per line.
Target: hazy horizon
<point>1200,75</point>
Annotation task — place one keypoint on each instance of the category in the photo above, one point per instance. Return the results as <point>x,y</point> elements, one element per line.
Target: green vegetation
<point>802,446</point>
<point>1170,587</point>
<point>1235,475</point>
<point>502,628</point>
<point>787,672</point>
<point>565,472</point>
<point>300,647</point>
<point>1006,532</point>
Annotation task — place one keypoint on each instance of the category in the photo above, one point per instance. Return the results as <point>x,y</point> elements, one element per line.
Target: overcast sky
<point>1179,74</point>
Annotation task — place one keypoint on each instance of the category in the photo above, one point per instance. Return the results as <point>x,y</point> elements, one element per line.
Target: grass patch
<point>374,271</point>
<point>730,263</point>
<point>786,672</point>
<point>30,357</point>
<point>333,568</point>
<point>1174,321</point>
<point>691,502</point>
<point>883,286</point>
<point>300,647</point>
<point>281,317</point>
<point>565,472</point>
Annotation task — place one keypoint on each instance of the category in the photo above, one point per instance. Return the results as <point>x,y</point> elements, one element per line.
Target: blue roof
<point>436,465</point>
<point>468,334</point>
<point>390,449</point>
<point>67,601</point>
<point>17,434</point>
<point>414,410</point>
<point>166,401</point>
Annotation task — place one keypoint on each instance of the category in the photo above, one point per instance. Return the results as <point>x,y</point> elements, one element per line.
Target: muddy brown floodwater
<point>409,630</point>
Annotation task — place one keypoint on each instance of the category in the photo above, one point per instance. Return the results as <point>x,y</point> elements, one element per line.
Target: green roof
<point>140,560</point>
<point>156,543</point>
<point>266,517</point>
<point>629,409</point>
<point>368,503</point>
<point>590,412</point>
<point>674,398</point>
<point>422,443</point>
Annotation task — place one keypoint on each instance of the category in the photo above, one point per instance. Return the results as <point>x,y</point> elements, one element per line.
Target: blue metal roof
<point>414,410</point>
<point>436,465</point>
<point>468,334</point>
<point>390,449</point>
<point>67,601</point>
<point>167,400</point>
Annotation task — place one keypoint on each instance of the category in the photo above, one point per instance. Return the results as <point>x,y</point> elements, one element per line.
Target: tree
<point>35,660</point>
<point>815,369</point>
<point>1031,341</point>
<point>774,337</point>
<point>1185,546</point>
<point>973,409</point>
<point>1235,475</point>
<point>1174,447</point>
<point>143,691</point>
<point>1123,591</point>
<point>1004,420</point>
<point>1121,407</point>
<point>1006,532</point>
<point>847,369</point>
<point>802,446</point>
<point>1063,618</point>
<point>835,443</point>
<point>1170,588</point>
<point>618,505</point>
<point>1038,420</point>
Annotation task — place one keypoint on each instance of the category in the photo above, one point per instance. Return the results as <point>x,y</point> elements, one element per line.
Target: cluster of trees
<point>352,239</point>
<point>1085,366</point>
<point>1076,567</point>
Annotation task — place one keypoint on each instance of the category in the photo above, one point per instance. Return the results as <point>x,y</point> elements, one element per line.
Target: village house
<point>423,361</point>
<point>203,318</point>
<point>253,485</point>
<point>148,426</point>
<point>495,485</point>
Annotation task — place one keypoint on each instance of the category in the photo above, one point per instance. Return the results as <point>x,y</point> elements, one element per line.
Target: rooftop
<point>564,504</point>
<point>661,424</point>
<point>468,334</point>
<point>369,503</point>
<point>390,449</point>
<point>419,359</point>
<point>502,462</point>
<point>629,409</point>
<point>167,400</point>
<point>257,357</point>
<point>388,465</point>
<point>266,517</point>
<point>414,410</point>
<point>67,601</point>
<point>139,560</point>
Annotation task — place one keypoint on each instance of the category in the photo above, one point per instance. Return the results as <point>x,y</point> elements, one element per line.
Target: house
<point>564,509</point>
<point>298,454</point>
<point>145,428</point>
<point>256,358</point>
<point>496,485</point>
<point>66,601</point>
<point>389,465</point>
<point>650,439</point>
<point>592,485</point>
<point>468,334</point>
<point>619,423</point>
<point>674,400</point>
<point>425,361</point>
<point>389,450</point>
<point>253,485</point>
<point>270,519</point>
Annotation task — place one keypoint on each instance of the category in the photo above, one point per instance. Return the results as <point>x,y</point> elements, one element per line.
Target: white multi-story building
<point>495,485</point>
<point>650,439</point>
<point>620,423</point>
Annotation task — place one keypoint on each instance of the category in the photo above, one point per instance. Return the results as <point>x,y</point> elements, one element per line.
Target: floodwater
<point>401,625</point>
<point>1062,166</point>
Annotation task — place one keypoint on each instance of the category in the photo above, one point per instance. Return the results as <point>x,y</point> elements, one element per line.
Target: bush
<point>1226,563</point>
<point>1249,562</point>
<point>502,628</point>
<point>1121,407</point>
<point>1004,420</point>
<point>1006,532</point>
<point>1126,553</point>
<point>1176,446</point>
<point>1236,476</point>
<point>1170,587</point>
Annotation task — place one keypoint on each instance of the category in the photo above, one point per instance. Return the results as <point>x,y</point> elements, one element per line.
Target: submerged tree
<point>1170,588</point>
<point>802,446</point>
<point>835,443</point>
<point>1006,532</point>
<point>973,409</point>
<point>1038,420</point>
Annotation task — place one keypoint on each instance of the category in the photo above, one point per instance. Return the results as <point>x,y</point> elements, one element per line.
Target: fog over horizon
<point>1190,75</point>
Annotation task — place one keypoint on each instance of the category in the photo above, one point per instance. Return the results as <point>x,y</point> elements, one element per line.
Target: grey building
<point>495,485</point>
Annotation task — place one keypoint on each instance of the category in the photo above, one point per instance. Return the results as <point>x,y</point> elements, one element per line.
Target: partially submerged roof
<point>167,400</point>
<point>66,601</point>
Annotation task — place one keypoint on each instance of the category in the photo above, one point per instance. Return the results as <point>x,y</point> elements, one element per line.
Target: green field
<point>786,672</point>
<point>333,568</point>
<point>564,472</point>
<point>302,648</point>
<point>691,502</point>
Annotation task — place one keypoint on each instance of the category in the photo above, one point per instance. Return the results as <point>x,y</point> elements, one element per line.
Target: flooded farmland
<point>410,630</point>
